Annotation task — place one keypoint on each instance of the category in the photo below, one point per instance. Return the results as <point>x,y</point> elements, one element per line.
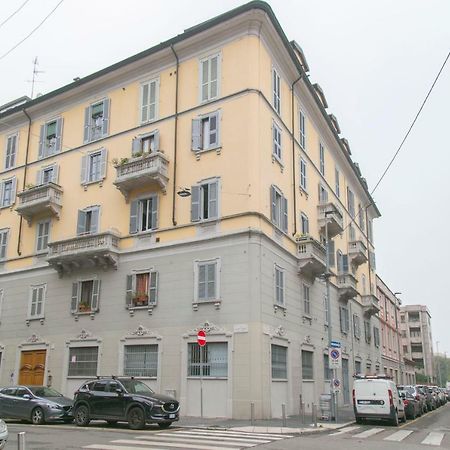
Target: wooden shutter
<point>153,288</point>
<point>81,224</point>
<point>195,203</point>
<point>213,130</point>
<point>156,140</point>
<point>273,209</point>
<point>144,102</point>
<point>59,125</point>
<point>154,212</point>
<point>95,213</point>
<point>39,177</point>
<point>84,169</point>
<point>134,216</point>
<point>341,319</point>
<point>135,146</point>
<point>3,242</point>
<point>34,301</point>
<point>214,73</point>
<point>104,161</point>
<point>87,125</point>
<point>41,152</point>
<point>345,263</point>
<point>331,258</point>
<point>106,108</point>
<point>95,295</point>
<point>212,199</point>
<point>74,302</point>
<point>205,79</point>
<point>55,177</point>
<point>284,214</point>
<point>152,100</point>
<point>13,190</point>
<point>196,134</point>
<point>129,292</point>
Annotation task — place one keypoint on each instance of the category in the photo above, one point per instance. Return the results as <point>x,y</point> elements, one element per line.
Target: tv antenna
<point>35,73</point>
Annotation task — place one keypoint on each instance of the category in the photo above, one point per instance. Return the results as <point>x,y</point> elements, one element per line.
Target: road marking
<point>244,442</point>
<point>344,430</point>
<point>175,444</point>
<point>212,437</point>
<point>433,438</point>
<point>369,432</point>
<point>234,433</point>
<point>399,435</point>
<point>116,447</point>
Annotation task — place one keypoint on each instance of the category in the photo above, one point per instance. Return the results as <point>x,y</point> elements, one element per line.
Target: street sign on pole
<point>335,358</point>
<point>336,385</point>
<point>335,344</point>
<point>201,338</point>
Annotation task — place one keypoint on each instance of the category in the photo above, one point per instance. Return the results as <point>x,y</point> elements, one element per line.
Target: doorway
<point>32,367</point>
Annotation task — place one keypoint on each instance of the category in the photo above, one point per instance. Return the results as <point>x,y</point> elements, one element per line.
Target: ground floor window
<point>141,360</point>
<point>279,362</point>
<point>357,366</point>
<point>83,361</point>
<point>307,365</point>
<point>213,361</point>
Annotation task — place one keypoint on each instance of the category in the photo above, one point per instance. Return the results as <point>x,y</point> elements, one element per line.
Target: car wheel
<point>164,425</point>
<point>395,419</point>
<point>82,416</point>
<point>111,422</point>
<point>136,419</point>
<point>37,416</point>
<point>359,420</point>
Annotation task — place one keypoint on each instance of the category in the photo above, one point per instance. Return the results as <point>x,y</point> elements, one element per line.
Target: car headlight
<point>53,406</point>
<point>3,426</point>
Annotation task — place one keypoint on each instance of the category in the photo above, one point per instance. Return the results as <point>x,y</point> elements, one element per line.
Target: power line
<point>14,13</point>
<point>32,31</point>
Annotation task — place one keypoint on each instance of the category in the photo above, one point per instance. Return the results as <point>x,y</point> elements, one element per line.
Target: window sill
<point>198,152</point>
<point>307,318</point>
<point>89,183</point>
<point>8,206</point>
<point>216,302</point>
<point>76,314</point>
<point>149,308</point>
<point>307,380</point>
<point>277,307</point>
<point>276,159</point>
<point>204,377</point>
<point>41,319</point>
<point>279,380</point>
<point>303,192</point>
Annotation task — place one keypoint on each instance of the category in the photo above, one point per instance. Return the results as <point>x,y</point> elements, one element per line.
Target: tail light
<point>406,402</point>
<point>353,395</point>
<point>417,397</point>
<point>391,399</point>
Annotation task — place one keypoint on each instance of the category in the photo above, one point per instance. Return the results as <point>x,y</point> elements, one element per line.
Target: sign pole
<point>201,340</point>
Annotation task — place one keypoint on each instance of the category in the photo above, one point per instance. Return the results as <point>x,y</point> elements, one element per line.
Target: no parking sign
<point>335,358</point>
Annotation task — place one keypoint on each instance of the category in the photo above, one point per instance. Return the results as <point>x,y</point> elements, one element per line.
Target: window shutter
<point>345,263</point>
<point>133,216</point>
<point>104,158</point>
<point>214,65</point>
<point>347,319</point>
<point>105,125</point>
<point>205,79</point>
<point>212,200</point>
<point>152,102</point>
<point>214,130</point>
<point>195,204</point>
<point>13,190</point>
<point>94,220</point>
<point>156,140</point>
<point>196,134</point>
<point>95,295</point>
<point>154,223</point>
<point>59,125</point>
<point>129,292</point>
<point>84,169</point>
<point>55,175</point>
<point>87,125</point>
<point>273,208</point>
<point>40,232</point>
<point>39,301</point>
<point>144,103</point>
<point>153,288</point>
<point>285,215</point>
<point>33,305</point>
<point>39,177</point>
<point>331,259</point>
<point>41,153</point>
<point>3,242</point>
<point>74,302</point>
<point>135,146</point>
<point>81,225</point>
<point>341,318</point>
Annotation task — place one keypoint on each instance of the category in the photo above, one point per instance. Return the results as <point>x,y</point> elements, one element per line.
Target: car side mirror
<point>119,391</point>
<point>27,396</point>
<point>402,395</point>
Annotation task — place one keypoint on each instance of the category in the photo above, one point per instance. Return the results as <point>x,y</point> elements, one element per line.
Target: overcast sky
<point>375,61</point>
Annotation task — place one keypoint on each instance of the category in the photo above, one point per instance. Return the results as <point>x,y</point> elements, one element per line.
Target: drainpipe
<point>174,222</point>
<point>293,155</point>
<point>19,239</point>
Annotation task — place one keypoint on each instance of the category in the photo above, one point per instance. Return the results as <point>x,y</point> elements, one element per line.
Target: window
<point>88,220</point>
<point>205,132</point>
<point>276,141</point>
<point>331,252</point>
<point>212,362</point>
<point>405,349</point>
<point>361,218</point>
<point>342,263</point>
<point>276,91</point>
<point>302,126</point>
<point>43,232</point>
<point>306,301</point>
<point>3,242</point>
<point>11,151</point>
<point>147,143</point>
<point>142,289</point>
<point>356,326</point>
<point>96,120</point>
<point>209,77</point>
<point>303,179</point>
<point>206,275</point>
<point>351,233</point>
<point>414,332</point>
<point>204,201</point>
<point>279,285</point>
<point>327,372</point>
<point>376,336</point>
<point>85,296</point>
<point>7,192</point>
<point>278,209</point>
<point>370,230</point>
<point>414,317</point>
<point>305,223</point>
<point>404,333</point>
<point>322,158</point>
<point>364,284</point>
<point>140,360</point>
<point>144,214</point>
<point>279,362</point>
<point>37,300</point>
<point>323,194</point>
<point>149,100</point>
<point>344,319</point>
<point>83,361</point>
<point>351,202</point>
<point>307,365</point>
<point>47,174</point>
<point>337,180</point>
<point>93,166</point>
<point>357,367</point>
<point>50,138</point>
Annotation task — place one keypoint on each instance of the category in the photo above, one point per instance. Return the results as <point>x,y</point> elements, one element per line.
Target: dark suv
<point>122,399</point>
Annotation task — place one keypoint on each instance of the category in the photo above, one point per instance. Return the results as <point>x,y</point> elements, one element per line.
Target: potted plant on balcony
<point>84,306</point>
<point>140,299</point>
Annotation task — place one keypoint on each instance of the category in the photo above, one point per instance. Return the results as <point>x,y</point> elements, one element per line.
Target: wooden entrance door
<point>32,367</point>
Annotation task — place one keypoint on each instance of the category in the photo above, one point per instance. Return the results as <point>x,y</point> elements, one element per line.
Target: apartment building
<point>188,187</point>
<point>417,342</point>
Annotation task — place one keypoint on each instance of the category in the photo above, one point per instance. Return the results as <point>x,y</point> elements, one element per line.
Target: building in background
<point>417,342</point>
<point>188,187</point>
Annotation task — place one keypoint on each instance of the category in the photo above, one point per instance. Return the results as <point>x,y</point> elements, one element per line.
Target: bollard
<point>314,414</point>
<point>300,409</point>
<point>21,440</point>
<point>252,414</point>
<point>283,414</point>
<point>303,413</point>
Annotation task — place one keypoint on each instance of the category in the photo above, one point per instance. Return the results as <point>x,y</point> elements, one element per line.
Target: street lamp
<point>398,336</point>
<point>184,192</point>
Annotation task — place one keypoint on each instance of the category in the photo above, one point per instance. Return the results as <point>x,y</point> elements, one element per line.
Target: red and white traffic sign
<point>201,338</point>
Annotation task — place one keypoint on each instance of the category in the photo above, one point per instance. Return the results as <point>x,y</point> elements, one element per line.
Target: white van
<point>376,397</point>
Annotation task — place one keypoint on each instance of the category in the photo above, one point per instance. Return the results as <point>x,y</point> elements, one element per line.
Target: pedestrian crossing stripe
<point>234,433</point>
<point>434,438</point>
<point>180,444</point>
<point>211,438</point>
<point>369,432</point>
<point>398,436</point>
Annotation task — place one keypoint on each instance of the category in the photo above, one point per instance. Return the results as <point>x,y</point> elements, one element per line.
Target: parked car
<point>39,404</point>
<point>442,395</point>
<point>435,395</point>
<point>122,399</point>
<point>418,395</point>
<point>3,434</point>
<point>430,399</point>
<point>447,392</point>
<point>413,408</point>
<point>376,397</point>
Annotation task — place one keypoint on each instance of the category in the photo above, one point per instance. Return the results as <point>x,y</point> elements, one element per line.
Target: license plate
<point>172,416</point>
<point>364,402</point>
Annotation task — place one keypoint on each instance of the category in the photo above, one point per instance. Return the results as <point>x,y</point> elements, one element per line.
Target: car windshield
<point>136,387</point>
<point>42,391</point>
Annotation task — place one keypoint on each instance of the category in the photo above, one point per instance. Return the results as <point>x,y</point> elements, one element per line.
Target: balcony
<point>90,251</point>
<point>346,284</point>
<point>370,304</point>
<point>42,199</point>
<point>312,258</point>
<point>138,172</point>
<point>331,213</point>
<point>357,252</point>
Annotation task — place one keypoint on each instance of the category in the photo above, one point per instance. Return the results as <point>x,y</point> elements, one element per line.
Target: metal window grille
<point>141,360</point>
<point>214,360</point>
<point>279,362</point>
<point>307,365</point>
<point>83,361</point>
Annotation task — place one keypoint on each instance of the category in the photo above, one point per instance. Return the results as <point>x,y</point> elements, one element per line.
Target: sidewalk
<point>294,424</point>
